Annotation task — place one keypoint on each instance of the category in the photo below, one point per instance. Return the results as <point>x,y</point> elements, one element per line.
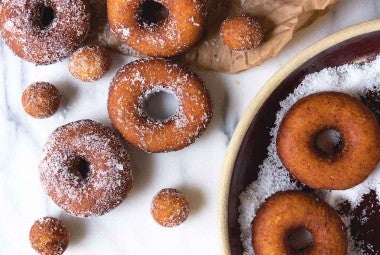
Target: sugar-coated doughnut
<point>135,82</point>
<point>90,63</point>
<point>170,208</point>
<point>356,156</point>
<point>44,31</point>
<point>41,100</point>
<point>242,32</point>
<point>181,28</point>
<point>85,169</point>
<point>49,236</point>
<point>286,212</point>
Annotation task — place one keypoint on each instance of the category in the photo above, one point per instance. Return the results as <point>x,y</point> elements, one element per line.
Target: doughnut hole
<point>151,14</point>
<point>43,16</point>
<point>160,106</point>
<point>299,240</point>
<point>328,143</point>
<point>41,100</point>
<point>170,208</point>
<point>242,32</point>
<point>81,168</point>
<point>90,63</point>
<point>49,236</point>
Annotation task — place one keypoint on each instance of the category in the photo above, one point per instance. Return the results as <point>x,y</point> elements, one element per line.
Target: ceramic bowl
<point>248,147</point>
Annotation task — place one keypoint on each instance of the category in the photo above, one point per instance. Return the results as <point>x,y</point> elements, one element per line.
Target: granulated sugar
<point>353,79</point>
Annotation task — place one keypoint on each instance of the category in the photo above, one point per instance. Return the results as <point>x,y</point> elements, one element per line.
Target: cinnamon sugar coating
<point>44,32</point>
<point>135,82</point>
<point>170,208</point>
<point>242,32</point>
<point>41,100</point>
<point>179,30</point>
<point>49,236</point>
<point>90,63</point>
<point>85,169</point>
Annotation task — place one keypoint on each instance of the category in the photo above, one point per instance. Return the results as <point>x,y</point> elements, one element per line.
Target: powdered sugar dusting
<point>109,179</point>
<point>354,79</point>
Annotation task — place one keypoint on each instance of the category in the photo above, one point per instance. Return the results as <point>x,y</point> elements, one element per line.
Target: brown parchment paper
<point>281,19</point>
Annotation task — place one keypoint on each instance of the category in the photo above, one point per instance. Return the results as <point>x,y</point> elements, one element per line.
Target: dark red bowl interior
<point>253,151</point>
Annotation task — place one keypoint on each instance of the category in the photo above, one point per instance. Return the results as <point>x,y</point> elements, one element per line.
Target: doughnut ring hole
<point>299,240</point>
<point>81,168</point>
<point>43,16</point>
<point>329,143</point>
<point>151,14</point>
<point>160,105</point>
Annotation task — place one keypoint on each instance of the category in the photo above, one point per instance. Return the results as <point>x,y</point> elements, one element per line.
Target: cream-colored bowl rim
<point>256,104</point>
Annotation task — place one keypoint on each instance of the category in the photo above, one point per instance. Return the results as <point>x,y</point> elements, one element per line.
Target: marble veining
<point>196,170</point>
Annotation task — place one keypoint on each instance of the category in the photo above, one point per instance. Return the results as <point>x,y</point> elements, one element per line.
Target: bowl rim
<point>255,105</point>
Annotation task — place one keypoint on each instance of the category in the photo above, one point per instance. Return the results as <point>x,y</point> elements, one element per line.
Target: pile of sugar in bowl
<point>357,80</point>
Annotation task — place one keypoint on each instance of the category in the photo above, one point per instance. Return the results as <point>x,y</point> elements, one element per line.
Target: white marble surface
<point>196,170</point>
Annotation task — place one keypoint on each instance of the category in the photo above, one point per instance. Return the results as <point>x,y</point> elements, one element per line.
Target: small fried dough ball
<point>49,236</point>
<point>241,32</point>
<point>170,208</point>
<point>41,100</point>
<point>90,63</point>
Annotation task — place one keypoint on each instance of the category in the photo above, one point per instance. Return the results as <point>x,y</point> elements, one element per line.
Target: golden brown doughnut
<point>85,169</point>
<point>135,82</point>
<point>170,208</point>
<point>90,63</point>
<point>242,32</point>
<point>174,34</point>
<point>357,155</point>
<point>41,100</point>
<point>286,212</point>
<point>44,32</point>
<point>49,236</point>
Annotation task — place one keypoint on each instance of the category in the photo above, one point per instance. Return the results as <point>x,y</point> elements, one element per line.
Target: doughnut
<point>85,169</point>
<point>241,32</point>
<point>49,236</point>
<point>353,158</point>
<point>90,63</point>
<point>285,213</point>
<point>170,208</point>
<point>44,31</point>
<point>160,28</point>
<point>41,100</point>
<point>136,82</point>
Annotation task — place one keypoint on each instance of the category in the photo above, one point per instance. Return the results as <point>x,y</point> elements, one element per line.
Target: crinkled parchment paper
<point>281,19</point>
